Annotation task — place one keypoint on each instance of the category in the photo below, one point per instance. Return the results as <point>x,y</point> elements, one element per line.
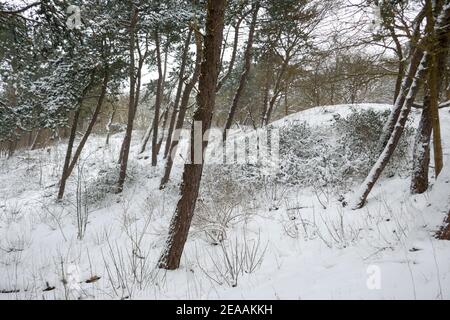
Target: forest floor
<point>282,243</point>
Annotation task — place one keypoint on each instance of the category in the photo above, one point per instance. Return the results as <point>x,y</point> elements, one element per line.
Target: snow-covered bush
<point>224,202</point>
<point>335,156</point>
<point>358,142</point>
<point>105,182</point>
<point>306,156</point>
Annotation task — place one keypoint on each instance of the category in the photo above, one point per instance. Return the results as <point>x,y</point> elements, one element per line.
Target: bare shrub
<point>222,208</point>
<point>53,217</point>
<point>81,204</point>
<point>296,222</point>
<point>335,232</point>
<point>129,268</point>
<point>234,259</point>
<point>12,212</point>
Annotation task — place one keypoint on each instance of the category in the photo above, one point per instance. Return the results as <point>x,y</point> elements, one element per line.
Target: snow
<point>310,247</point>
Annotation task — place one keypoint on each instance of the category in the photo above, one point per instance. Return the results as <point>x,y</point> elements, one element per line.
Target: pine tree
<point>181,221</point>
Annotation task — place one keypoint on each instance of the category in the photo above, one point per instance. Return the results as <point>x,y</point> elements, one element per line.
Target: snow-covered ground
<point>280,243</point>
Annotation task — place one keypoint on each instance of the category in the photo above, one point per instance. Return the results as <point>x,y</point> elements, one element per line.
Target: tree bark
<point>414,63</point>
<point>131,103</point>
<point>267,86</point>
<point>73,133</point>
<point>430,112</point>
<point>91,124</point>
<point>148,134</point>
<point>173,117</point>
<point>276,90</point>
<point>421,154</point>
<point>245,73</point>
<point>182,113</point>
<point>110,122</point>
<point>401,62</point>
<point>157,101</point>
<point>181,221</point>
<point>444,233</point>
<point>386,155</point>
<point>36,139</point>
<point>233,53</point>
<point>440,43</point>
<point>165,117</point>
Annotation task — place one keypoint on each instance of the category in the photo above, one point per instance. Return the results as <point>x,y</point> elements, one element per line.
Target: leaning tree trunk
<point>416,57</point>
<point>157,101</point>
<point>277,91</point>
<point>125,151</point>
<point>181,76</point>
<point>181,221</point>
<point>442,23</point>
<point>233,53</point>
<point>110,122</point>
<point>165,117</point>
<point>401,60</point>
<point>86,135</point>
<point>386,155</point>
<point>73,133</point>
<point>148,134</point>
<point>182,113</point>
<point>246,72</point>
<point>165,114</point>
<point>36,139</point>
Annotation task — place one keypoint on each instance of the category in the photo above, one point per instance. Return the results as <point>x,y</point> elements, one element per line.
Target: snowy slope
<point>309,247</point>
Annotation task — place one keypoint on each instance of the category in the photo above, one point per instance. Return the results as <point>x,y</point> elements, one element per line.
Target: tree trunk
<point>173,117</point>
<point>131,103</point>
<point>73,133</point>
<point>165,114</point>
<point>245,73</point>
<point>414,63</point>
<point>435,121</point>
<point>157,101</point>
<point>276,91</point>
<point>110,122</point>
<point>91,124</point>
<point>165,117</point>
<point>181,221</point>
<point>36,140</point>
<point>444,233</point>
<point>421,159</point>
<point>401,61</point>
<point>442,27</point>
<point>233,54</point>
<point>400,76</point>
<point>266,96</point>
<point>440,43</point>
<point>182,114</point>
<point>148,134</point>
<point>421,154</point>
<point>375,173</point>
